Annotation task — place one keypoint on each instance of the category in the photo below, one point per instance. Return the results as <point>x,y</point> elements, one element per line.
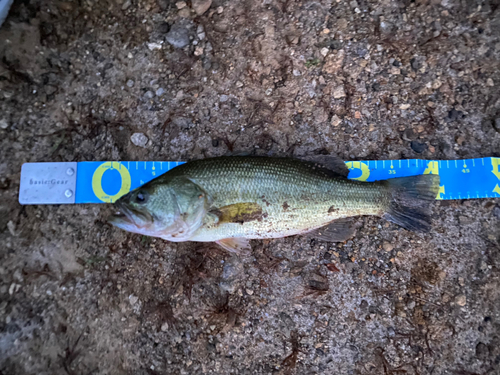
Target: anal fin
<point>337,231</point>
<point>235,245</point>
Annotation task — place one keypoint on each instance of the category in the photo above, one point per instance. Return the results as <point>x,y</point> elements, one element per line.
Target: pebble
<point>418,147</point>
<point>164,28</point>
<point>126,4</point>
<point>296,72</point>
<point>180,4</point>
<point>130,83</point>
<point>4,124</point>
<point>198,51</point>
<point>339,92</point>
<point>133,299</point>
<point>178,36</point>
<point>153,46</point>
<point>164,327</point>
<point>404,106</point>
<point>335,121</point>
<point>160,92</point>
<point>223,98</point>
<point>387,246</point>
<point>386,28</point>
<point>149,94</point>
<point>139,139</point>
<point>324,51</point>
<point>201,6</point>
<point>490,83</point>
<point>496,212</point>
<point>220,10</point>
<point>239,84</point>
<point>461,300</point>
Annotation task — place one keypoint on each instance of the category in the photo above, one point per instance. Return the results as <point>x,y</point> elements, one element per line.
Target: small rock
<point>496,212</point>
<point>454,115</point>
<point>490,83</point>
<point>180,4</point>
<point>201,6</point>
<point>324,51</point>
<point>198,51</point>
<point>149,95</point>
<point>404,106</point>
<point>153,46</point>
<point>386,28</point>
<point>461,300</point>
<point>133,299</point>
<point>178,36</point>
<point>4,124</point>
<point>249,292</point>
<point>50,89</point>
<point>339,92</point>
<point>130,83</point>
<point>387,246</point>
<point>160,92</point>
<point>418,147</point>
<point>164,28</point>
<point>335,121</point>
<point>126,4</point>
<point>416,63</point>
<point>220,10</point>
<point>239,84</point>
<point>223,98</point>
<point>139,139</point>
<point>296,72</point>
<point>164,327</point>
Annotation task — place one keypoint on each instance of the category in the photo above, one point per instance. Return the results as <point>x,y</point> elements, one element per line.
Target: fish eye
<point>141,197</point>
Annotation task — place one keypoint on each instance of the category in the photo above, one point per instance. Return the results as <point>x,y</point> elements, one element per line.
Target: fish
<point>233,199</point>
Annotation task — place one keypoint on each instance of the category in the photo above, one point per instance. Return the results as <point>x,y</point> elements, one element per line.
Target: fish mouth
<point>126,217</point>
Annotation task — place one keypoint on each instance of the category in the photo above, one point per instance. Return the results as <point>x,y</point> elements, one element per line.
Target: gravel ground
<point>165,80</point>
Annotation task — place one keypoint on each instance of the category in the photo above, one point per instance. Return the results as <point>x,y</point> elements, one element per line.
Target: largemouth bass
<point>230,200</point>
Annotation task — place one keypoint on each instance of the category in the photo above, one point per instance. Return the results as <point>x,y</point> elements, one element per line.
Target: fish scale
<point>294,197</point>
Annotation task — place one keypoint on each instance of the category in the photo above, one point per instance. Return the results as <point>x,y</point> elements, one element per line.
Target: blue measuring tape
<point>105,182</point>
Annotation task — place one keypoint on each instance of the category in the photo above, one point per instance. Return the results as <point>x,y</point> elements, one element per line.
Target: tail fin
<point>410,201</point>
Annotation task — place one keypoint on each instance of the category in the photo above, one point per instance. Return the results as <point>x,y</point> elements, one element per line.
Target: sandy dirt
<point>362,79</point>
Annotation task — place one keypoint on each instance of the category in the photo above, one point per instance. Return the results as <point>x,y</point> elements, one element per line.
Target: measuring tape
<point>105,182</point>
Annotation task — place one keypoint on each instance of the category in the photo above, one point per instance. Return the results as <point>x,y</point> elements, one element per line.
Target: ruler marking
<point>447,164</point>
<point>136,165</point>
<point>473,164</point>
<point>456,165</point>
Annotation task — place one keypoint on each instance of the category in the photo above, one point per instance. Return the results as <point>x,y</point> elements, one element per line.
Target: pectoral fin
<point>235,245</point>
<point>337,231</point>
<point>238,213</point>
